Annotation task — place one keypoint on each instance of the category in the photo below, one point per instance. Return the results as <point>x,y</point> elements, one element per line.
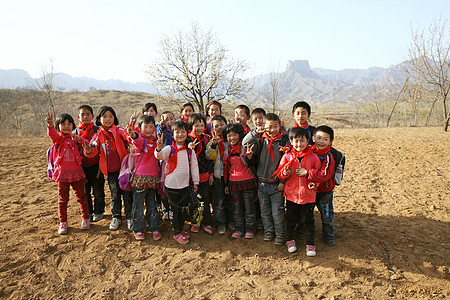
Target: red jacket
<point>121,141</point>
<point>296,188</point>
<point>325,175</point>
<point>89,161</point>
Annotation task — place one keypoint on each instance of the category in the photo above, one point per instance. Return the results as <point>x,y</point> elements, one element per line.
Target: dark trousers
<point>116,194</point>
<point>303,213</point>
<point>152,217</point>
<point>244,210</point>
<point>324,202</point>
<point>204,190</point>
<point>179,200</point>
<point>94,183</point>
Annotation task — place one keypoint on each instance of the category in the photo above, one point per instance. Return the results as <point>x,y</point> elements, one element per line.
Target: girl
<point>240,182</point>
<point>112,144</point>
<point>146,179</point>
<point>180,166</point>
<point>68,171</point>
<point>150,109</point>
<point>197,125</point>
<point>187,109</point>
<point>213,109</point>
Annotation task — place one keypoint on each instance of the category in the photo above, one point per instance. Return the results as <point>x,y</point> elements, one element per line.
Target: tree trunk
<point>447,120</point>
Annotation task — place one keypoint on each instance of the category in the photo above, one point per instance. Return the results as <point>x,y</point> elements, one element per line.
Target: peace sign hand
<point>215,138</point>
<point>159,143</point>
<point>49,120</point>
<point>193,144</point>
<point>134,117</point>
<point>249,152</point>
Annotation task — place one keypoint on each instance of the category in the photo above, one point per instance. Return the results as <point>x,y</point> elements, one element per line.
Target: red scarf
<point>246,129</point>
<point>221,148</point>
<point>321,152</point>
<point>295,155</point>
<point>58,143</point>
<point>226,167</point>
<point>271,141</point>
<point>115,137</point>
<point>199,147</point>
<point>110,136</point>
<point>301,125</point>
<point>151,142</point>
<point>184,119</point>
<point>85,129</point>
<point>172,162</point>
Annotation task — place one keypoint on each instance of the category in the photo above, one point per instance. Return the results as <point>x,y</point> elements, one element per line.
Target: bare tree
<point>430,61</point>
<point>45,84</point>
<point>194,65</point>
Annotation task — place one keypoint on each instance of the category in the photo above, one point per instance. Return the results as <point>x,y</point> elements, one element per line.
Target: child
<point>179,169</point>
<point>300,192</point>
<point>240,182</point>
<point>112,144</point>
<point>145,181</point>
<point>187,109</point>
<point>94,179</point>
<point>257,117</point>
<point>150,109</point>
<point>68,171</point>
<point>301,113</point>
<point>216,150</point>
<point>197,125</point>
<point>323,138</point>
<point>268,155</point>
<point>242,115</point>
<point>213,109</point>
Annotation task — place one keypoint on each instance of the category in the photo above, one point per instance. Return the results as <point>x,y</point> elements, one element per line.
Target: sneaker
<point>310,250</point>
<point>237,235</point>
<point>129,224</point>
<point>139,236</point>
<point>330,242</point>
<point>195,228</point>
<point>291,246</point>
<point>115,223</point>
<point>185,234</point>
<point>249,235</point>
<point>208,229</point>
<point>180,238</point>
<point>221,230</point>
<point>62,228</point>
<point>279,241</point>
<point>165,216</point>
<point>156,235</point>
<point>268,236</point>
<point>97,217</point>
<point>85,224</point>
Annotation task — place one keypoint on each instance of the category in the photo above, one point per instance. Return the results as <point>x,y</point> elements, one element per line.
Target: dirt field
<point>392,216</point>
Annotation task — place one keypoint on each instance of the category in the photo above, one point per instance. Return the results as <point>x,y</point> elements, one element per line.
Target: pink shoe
<point>249,235</point>
<point>85,224</point>
<point>156,235</point>
<point>195,228</point>
<point>181,239</point>
<point>208,229</point>
<point>62,228</point>
<point>139,236</point>
<point>185,234</point>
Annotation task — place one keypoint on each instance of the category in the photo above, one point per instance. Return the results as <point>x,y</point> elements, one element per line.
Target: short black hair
<point>102,111</point>
<point>326,129</point>
<point>297,132</point>
<point>236,128</point>
<point>87,107</point>
<point>149,105</point>
<point>302,104</point>
<point>258,110</point>
<point>195,118</point>
<point>179,124</point>
<point>167,112</point>
<point>219,118</point>
<point>62,118</point>
<point>244,107</point>
<point>272,117</point>
<point>146,119</point>
<point>187,104</point>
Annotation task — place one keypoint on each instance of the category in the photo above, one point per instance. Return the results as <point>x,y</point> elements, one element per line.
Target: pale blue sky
<point>117,39</point>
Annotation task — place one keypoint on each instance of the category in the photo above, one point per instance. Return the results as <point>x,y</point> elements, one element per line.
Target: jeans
<point>116,193</point>
<point>204,190</point>
<point>303,213</point>
<point>63,199</point>
<point>152,216</point>
<point>272,208</point>
<point>324,202</point>
<point>95,182</point>
<point>219,202</point>
<point>244,210</point>
<point>179,200</point>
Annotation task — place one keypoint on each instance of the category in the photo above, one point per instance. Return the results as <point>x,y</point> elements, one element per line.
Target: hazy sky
<point>117,39</point>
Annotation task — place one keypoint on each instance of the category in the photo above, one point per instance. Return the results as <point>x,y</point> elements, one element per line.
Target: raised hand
<point>130,130</point>
<point>159,143</point>
<point>134,117</point>
<point>49,120</point>
<point>193,144</point>
<point>215,138</point>
<point>260,130</point>
<point>286,148</point>
<point>249,152</point>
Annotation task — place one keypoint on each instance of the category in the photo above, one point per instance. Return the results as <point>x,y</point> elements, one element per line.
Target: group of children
<point>196,166</point>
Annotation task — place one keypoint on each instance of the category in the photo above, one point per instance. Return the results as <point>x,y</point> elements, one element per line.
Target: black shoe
<point>330,242</point>
<point>268,236</point>
<point>279,241</point>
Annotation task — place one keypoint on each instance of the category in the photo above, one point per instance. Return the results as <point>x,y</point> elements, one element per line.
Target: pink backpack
<point>51,162</point>
<point>128,168</point>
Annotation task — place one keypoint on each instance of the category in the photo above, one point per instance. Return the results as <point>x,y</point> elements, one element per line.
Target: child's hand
<point>133,118</point>
<point>159,143</point>
<point>49,120</point>
<point>281,187</point>
<point>227,190</point>
<point>130,130</point>
<point>87,148</point>
<point>301,172</point>
<point>287,171</point>
<point>249,152</point>
<point>260,130</point>
<point>75,137</point>
<point>193,144</point>
<point>215,138</point>
<point>162,125</point>
<point>283,130</point>
<point>285,149</point>
<point>211,179</point>
<point>195,188</point>
<point>311,185</point>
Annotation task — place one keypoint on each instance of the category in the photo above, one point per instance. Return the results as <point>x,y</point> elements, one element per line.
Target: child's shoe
<point>291,246</point>
<point>195,228</point>
<point>85,224</point>
<point>310,250</point>
<point>181,239</point>
<point>115,223</point>
<point>62,228</point>
<point>97,217</point>
<point>157,235</point>
<point>165,216</point>
<point>139,236</point>
<point>249,235</point>
<point>208,229</point>
<point>185,234</point>
<point>129,224</point>
<point>221,230</point>
<point>330,242</point>
<point>279,240</point>
<point>268,236</point>
<point>237,235</point>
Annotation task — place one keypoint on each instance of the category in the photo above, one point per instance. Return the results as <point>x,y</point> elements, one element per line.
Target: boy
<point>300,191</point>
<point>301,113</point>
<point>257,117</point>
<point>181,167</point>
<point>95,181</point>
<point>266,148</point>
<point>242,115</point>
<point>323,138</point>
<point>216,150</point>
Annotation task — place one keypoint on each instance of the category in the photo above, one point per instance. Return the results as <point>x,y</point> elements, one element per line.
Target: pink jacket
<point>147,162</point>
<point>296,188</point>
<point>69,144</point>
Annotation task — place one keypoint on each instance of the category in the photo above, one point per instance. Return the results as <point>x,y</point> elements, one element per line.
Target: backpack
<point>339,159</point>
<point>51,161</point>
<point>128,168</point>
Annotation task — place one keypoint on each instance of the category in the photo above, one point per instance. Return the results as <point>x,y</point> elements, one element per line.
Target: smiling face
<point>322,140</point>
<point>299,143</point>
<point>147,129</point>
<point>151,111</point>
<point>272,127</point>
<point>233,138</point>
<point>214,110</point>
<point>107,120</point>
<point>187,112</point>
<point>301,115</point>
<point>168,118</point>
<point>65,127</point>
<point>258,120</point>
<point>180,136</point>
<point>198,127</point>
<point>240,116</point>
<point>218,126</point>
<point>85,116</point>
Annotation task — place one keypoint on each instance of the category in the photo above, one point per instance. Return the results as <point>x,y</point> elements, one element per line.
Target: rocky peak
<point>300,66</point>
